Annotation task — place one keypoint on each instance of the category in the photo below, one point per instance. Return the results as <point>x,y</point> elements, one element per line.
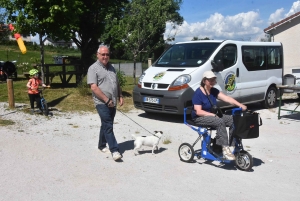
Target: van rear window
<point>262,57</point>
<point>187,55</point>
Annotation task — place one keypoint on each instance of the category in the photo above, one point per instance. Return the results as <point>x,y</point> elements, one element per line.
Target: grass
<point>70,98</point>
<point>167,140</point>
<point>65,99</point>
<point>4,122</point>
<point>32,56</point>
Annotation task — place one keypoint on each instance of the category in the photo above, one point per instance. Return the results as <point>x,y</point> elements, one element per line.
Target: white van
<point>247,71</point>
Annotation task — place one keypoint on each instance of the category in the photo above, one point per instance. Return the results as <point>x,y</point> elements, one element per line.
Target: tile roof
<point>277,24</point>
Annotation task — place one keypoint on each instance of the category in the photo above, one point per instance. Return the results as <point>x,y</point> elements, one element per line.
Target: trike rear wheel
<point>244,160</point>
<point>186,152</point>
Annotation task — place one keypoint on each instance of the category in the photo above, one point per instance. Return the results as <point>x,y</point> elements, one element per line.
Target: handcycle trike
<point>44,105</point>
<point>186,152</point>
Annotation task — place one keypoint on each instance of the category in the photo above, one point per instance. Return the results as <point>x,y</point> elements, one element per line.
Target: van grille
<point>171,108</point>
<point>159,86</point>
<point>157,107</point>
<point>152,106</point>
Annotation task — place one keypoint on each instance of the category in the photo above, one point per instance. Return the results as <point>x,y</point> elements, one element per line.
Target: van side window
<point>254,58</point>
<point>274,58</point>
<point>227,55</point>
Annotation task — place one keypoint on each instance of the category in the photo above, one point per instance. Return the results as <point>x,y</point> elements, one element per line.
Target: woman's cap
<point>208,74</point>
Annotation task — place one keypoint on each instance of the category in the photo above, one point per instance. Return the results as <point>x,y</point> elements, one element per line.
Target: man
<point>106,90</point>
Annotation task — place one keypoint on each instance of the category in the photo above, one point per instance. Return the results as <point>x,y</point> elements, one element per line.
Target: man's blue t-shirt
<point>200,98</point>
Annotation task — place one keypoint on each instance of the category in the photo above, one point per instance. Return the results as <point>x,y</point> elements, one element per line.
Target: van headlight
<point>140,80</point>
<point>180,83</point>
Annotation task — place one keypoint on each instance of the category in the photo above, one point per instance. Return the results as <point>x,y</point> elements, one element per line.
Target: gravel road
<point>56,158</point>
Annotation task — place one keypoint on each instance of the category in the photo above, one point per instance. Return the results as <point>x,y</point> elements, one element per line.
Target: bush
<point>121,78</point>
<point>84,88</point>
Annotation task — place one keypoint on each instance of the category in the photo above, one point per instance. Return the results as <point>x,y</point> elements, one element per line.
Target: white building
<point>60,43</point>
<point>287,31</point>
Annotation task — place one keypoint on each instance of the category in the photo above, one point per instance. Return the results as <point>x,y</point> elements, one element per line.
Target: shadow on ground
<point>163,117</point>
<point>129,145</point>
<point>55,102</point>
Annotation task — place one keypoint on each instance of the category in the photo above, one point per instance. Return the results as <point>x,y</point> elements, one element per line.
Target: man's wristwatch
<point>107,102</point>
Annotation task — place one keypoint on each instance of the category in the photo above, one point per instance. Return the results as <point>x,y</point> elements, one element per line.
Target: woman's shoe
<point>227,153</point>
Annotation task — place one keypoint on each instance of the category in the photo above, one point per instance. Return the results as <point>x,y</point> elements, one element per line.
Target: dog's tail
<point>133,135</point>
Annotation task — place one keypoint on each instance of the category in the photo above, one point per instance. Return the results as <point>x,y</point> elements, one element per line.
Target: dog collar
<point>156,136</point>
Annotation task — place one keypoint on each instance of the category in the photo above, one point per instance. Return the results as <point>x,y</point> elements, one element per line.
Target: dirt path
<point>57,159</point>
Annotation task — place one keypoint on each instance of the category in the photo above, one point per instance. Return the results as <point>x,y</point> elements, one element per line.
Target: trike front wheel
<point>244,160</point>
<point>186,152</point>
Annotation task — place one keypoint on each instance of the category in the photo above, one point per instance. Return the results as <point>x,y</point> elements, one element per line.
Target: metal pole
<point>10,90</point>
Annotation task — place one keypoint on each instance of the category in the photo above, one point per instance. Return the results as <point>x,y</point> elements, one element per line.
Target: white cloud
<point>243,26</point>
<point>277,16</point>
<point>294,9</point>
<point>279,13</point>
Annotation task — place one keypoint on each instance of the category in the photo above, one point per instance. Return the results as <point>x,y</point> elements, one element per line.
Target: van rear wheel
<point>270,99</point>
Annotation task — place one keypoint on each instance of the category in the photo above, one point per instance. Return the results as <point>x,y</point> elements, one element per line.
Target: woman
<point>203,116</point>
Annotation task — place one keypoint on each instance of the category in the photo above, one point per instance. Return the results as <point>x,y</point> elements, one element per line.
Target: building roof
<point>285,20</point>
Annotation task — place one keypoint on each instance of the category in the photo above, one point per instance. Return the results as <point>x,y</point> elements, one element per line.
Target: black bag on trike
<point>246,125</point>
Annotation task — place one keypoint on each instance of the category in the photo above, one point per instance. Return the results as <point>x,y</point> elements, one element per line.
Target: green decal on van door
<point>158,76</point>
<point>230,84</point>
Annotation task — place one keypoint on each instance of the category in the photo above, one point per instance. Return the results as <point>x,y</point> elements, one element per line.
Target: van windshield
<point>187,55</point>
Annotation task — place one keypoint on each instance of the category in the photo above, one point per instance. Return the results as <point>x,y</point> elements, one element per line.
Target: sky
<point>229,19</point>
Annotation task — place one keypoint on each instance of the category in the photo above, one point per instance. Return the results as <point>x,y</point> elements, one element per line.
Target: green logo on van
<point>158,76</point>
<point>230,83</point>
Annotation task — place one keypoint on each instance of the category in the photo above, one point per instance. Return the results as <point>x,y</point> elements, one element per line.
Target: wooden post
<point>64,82</point>
<point>149,62</point>
<point>10,90</point>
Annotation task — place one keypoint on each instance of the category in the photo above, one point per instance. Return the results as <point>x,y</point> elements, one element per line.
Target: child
<point>33,92</point>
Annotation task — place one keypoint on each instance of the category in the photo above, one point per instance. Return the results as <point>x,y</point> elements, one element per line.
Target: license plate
<point>151,100</point>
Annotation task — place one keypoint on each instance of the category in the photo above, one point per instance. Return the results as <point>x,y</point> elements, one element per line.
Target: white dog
<point>151,141</point>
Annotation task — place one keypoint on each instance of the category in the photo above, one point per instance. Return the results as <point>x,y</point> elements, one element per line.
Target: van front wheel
<point>270,99</point>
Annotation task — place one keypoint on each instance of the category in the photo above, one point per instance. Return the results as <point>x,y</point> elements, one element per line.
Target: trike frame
<point>244,160</point>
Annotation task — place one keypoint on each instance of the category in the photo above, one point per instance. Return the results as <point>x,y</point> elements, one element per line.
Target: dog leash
<point>136,123</point>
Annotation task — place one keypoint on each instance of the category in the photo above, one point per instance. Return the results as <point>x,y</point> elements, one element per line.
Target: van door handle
<point>237,72</point>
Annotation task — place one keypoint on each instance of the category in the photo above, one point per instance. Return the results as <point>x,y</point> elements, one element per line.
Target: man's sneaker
<point>116,156</point>
<point>105,150</point>
<point>227,154</point>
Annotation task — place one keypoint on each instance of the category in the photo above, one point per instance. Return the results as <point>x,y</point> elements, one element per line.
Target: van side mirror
<point>217,66</point>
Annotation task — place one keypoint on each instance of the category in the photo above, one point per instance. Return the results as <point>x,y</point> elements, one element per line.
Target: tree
<point>92,23</point>
<point>197,38</point>
<point>83,21</point>
<point>267,38</point>
<point>141,28</point>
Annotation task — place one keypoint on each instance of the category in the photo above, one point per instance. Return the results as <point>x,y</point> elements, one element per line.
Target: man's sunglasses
<point>104,54</point>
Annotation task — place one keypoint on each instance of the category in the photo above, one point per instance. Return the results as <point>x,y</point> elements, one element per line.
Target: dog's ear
<point>155,132</point>
<point>161,132</point>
